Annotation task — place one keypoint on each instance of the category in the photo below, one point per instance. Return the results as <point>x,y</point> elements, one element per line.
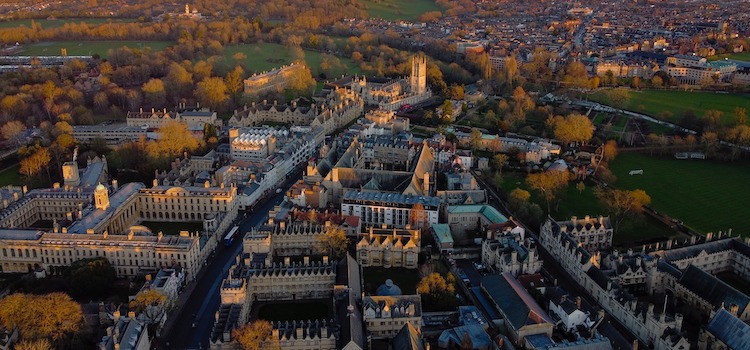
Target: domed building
<point>388,289</point>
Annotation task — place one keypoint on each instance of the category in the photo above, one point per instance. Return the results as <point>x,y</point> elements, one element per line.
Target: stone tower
<point>418,78</point>
<point>101,197</point>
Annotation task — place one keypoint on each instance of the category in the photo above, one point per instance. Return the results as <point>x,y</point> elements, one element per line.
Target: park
<point>393,10</point>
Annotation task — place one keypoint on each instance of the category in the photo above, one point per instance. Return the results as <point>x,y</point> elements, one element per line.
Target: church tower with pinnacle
<point>418,79</point>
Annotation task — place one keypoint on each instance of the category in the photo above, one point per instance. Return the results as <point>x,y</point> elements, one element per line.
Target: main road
<point>204,301</point>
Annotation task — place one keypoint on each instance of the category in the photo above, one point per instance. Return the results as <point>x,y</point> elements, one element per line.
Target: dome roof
<point>100,187</point>
<point>388,289</point>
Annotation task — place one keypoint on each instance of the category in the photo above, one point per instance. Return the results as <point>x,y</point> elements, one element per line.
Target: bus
<point>229,238</point>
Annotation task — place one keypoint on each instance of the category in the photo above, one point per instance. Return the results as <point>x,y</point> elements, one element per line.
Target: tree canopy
<point>333,241</point>
<point>255,335</point>
<point>91,278</point>
<point>573,128</point>
<point>550,184</point>
<point>436,290</point>
<point>52,316</point>
<point>622,203</point>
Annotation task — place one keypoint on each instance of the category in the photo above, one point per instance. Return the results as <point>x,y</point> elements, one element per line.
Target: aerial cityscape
<point>374,174</point>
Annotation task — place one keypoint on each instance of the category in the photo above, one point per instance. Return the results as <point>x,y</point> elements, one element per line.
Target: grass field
<point>580,204</point>
<point>742,56</point>
<point>393,10</point>
<point>705,195</point>
<point>655,102</point>
<point>10,176</point>
<point>85,48</point>
<point>267,56</point>
<point>56,23</point>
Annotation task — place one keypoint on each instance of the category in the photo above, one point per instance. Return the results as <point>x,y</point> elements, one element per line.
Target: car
<point>278,190</point>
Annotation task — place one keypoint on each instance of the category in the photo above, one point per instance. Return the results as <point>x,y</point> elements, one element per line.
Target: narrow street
<point>201,299</point>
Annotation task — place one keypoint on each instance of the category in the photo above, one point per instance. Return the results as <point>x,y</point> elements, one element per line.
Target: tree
<point>518,197</point>
<point>151,304</point>
<point>657,81</point>
<point>36,162</point>
<point>418,216</point>
<point>155,93</point>
<point>333,241</point>
<point>709,141</point>
<point>436,290</point>
<point>740,116</point>
<point>511,69</point>
<point>550,184</point>
<point>52,315</point>
<point>499,160</point>
<point>174,139</point>
<point>255,335</point>
<point>300,81</point>
<point>476,139</point>
<point>91,278</point>
<point>617,98</point>
<point>179,81</point>
<point>212,92</point>
<point>609,150</point>
<point>711,119</point>
<point>622,203</point>
<point>446,111</point>
<point>50,92</point>
<point>39,344</point>
<point>580,186</point>
<point>574,128</point>
<point>235,83</point>
<point>457,92</point>
<point>12,131</point>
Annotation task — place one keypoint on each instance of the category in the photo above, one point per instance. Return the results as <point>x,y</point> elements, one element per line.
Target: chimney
<point>306,259</point>
<point>131,314</point>
<point>115,185</point>
<point>287,261</point>
<point>325,259</point>
<point>116,316</point>
<point>578,302</point>
<point>678,322</point>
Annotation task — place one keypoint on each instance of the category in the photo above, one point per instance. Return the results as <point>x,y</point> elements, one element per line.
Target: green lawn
<point>707,196</point>
<point>85,48</point>
<point>580,204</point>
<point>406,279</point>
<point>10,176</point>
<point>655,102</point>
<point>274,312</point>
<point>742,56</point>
<point>55,23</point>
<point>173,228</point>
<point>393,10</point>
<point>267,56</point>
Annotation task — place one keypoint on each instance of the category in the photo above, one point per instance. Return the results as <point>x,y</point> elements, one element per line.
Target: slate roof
<point>478,337</point>
<point>516,304</point>
<point>730,330</point>
<point>712,289</point>
<point>408,338</point>
<point>734,243</point>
